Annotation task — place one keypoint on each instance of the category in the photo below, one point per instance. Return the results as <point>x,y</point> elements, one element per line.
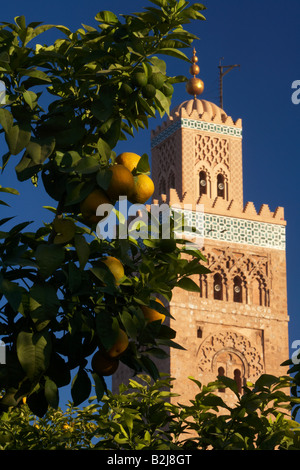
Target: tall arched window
<point>259,292</point>
<point>202,183</point>
<point>162,185</point>
<point>221,186</point>
<point>218,287</point>
<point>221,373</point>
<point>238,379</point>
<point>172,180</point>
<point>237,289</point>
<point>203,285</point>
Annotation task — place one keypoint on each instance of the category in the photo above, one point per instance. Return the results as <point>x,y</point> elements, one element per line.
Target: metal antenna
<point>224,69</point>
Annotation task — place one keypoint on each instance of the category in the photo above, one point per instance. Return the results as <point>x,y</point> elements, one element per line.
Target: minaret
<point>238,325</point>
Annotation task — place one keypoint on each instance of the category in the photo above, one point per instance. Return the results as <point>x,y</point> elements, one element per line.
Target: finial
<point>194,86</point>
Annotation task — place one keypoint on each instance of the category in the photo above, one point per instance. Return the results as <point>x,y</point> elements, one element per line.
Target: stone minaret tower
<point>238,325</point>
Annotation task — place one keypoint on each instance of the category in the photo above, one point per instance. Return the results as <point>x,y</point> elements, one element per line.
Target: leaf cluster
<point>67,106</point>
<point>142,416</point>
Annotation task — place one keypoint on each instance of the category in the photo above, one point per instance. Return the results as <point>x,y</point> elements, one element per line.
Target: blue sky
<point>263,37</point>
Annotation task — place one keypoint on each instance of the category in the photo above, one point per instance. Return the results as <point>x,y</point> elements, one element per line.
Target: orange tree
<point>60,303</point>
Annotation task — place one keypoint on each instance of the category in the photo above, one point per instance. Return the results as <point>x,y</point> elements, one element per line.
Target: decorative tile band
<point>234,230</point>
<point>195,124</point>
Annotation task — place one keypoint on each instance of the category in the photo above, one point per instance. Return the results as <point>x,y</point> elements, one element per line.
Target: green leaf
<point>107,17</point>
<point>9,190</point>
<point>100,386</point>
<point>26,168</point>
<point>6,119</point>
<point>12,292</point>
<point>49,258</point>
<point>34,350</point>
<point>51,393</point>
<point>188,284</point>
<point>82,249</point>
<point>173,52</point>
<point>103,178</point>
<point>18,137</point>
<point>38,74</point>
<point>40,151</point>
<point>265,380</point>
<point>104,149</point>
<point>43,303</point>
<point>77,191</point>
<point>143,164</point>
<point>107,328</point>
<point>87,165</point>
<point>81,387</point>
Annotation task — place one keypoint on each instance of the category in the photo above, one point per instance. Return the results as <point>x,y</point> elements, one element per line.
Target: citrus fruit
<point>121,183</point>
<point>167,89</point>
<point>120,345</point>
<point>157,79</point>
<point>129,160</point>
<point>148,91</point>
<point>139,79</point>
<point>151,314</point>
<point>115,266</point>
<point>143,189</point>
<point>125,90</point>
<point>89,205</point>
<point>104,365</point>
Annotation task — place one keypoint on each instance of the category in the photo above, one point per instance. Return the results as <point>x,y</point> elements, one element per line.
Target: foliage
<point>141,417</point>
<point>68,104</point>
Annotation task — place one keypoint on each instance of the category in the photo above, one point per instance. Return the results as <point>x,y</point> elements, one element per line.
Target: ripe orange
<point>129,160</point>
<point>151,314</point>
<point>89,206</point>
<point>143,189</point>
<point>120,344</point>
<point>103,364</point>
<point>121,183</point>
<point>115,266</point>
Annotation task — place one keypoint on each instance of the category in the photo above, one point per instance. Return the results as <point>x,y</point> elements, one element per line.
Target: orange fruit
<point>129,160</point>
<point>115,266</point>
<point>143,189</point>
<point>103,364</point>
<point>89,205</point>
<point>151,314</point>
<point>121,183</point>
<point>120,344</point>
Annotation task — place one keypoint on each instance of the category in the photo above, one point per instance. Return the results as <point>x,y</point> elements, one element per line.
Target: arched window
<point>237,289</point>
<point>238,379</point>
<point>221,373</point>
<point>221,186</point>
<point>202,182</point>
<point>259,292</point>
<point>172,180</point>
<point>218,287</point>
<point>203,286</point>
<point>199,332</point>
<point>162,186</point>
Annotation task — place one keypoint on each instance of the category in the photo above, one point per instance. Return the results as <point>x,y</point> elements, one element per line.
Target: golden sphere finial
<point>194,86</point>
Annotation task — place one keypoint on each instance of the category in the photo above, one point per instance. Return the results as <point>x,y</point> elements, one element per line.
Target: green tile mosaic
<point>234,230</point>
<point>195,124</point>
